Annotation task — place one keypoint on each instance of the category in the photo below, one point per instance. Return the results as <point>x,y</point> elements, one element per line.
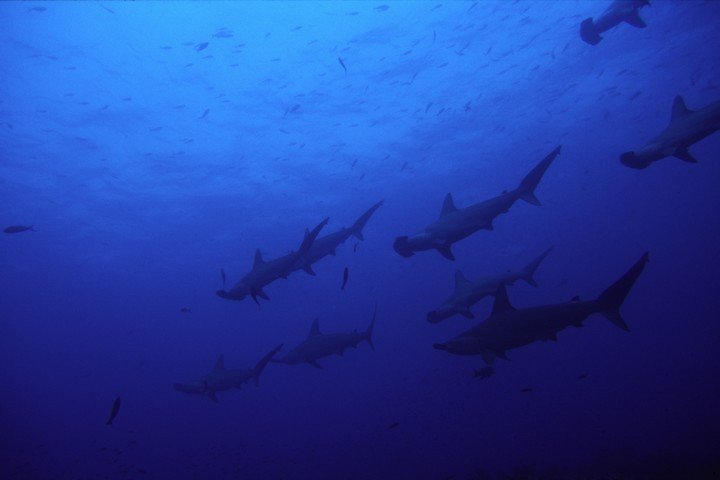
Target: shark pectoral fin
<point>314,364</point>
<point>487,356</point>
<point>683,154</point>
<point>307,268</point>
<point>530,198</point>
<point>211,395</point>
<point>635,20</point>
<point>445,251</point>
<point>488,225</point>
<point>501,354</point>
<point>259,293</point>
<point>358,235</point>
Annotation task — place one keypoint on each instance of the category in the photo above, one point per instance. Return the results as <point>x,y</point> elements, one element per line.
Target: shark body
<point>455,224</point>
<point>508,328</point>
<point>686,128</point>
<point>265,272</point>
<point>618,11</point>
<point>468,293</point>
<point>318,345</point>
<point>221,379</point>
<point>327,245</point>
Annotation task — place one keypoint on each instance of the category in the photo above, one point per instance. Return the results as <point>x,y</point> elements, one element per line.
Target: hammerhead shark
<point>457,223</point>
<point>617,12</point>
<point>265,272</point>
<point>220,378</point>
<point>324,246</point>
<point>686,128</point>
<point>318,345</point>
<point>508,328</point>
<point>468,293</point>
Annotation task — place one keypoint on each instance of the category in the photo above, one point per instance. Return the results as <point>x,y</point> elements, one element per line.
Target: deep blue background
<point>133,224</point>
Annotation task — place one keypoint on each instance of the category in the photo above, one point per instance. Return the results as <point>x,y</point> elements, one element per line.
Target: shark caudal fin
<point>589,33</point>
<point>359,224</point>
<point>528,185</point>
<point>257,370</point>
<point>310,237</point>
<point>612,298</point>
<point>531,267</point>
<point>368,332</point>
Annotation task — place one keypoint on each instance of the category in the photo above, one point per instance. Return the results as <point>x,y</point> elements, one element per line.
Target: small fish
<point>582,376</point>
<point>201,46</point>
<point>292,109</point>
<point>37,9</point>
<point>114,411</point>
<point>222,275</point>
<point>381,8</point>
<point>526,390</point>
<point>342,64</point>
<point>156,129</point>
<point>355,247</point>
<point>207,110</point>
<point>185,310</point>
<point>18,229</point>
<point>345,278</point>
<point>393,425</point>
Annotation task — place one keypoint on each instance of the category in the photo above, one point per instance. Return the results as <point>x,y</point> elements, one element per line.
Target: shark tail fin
<point>530,268</point>
<point>613,297</point>
<point>369,331</point>
<point>263,363</point>
<point>362,220</point>
<point>528,185</point>
<point>310,237</point>
<point>589,33</point>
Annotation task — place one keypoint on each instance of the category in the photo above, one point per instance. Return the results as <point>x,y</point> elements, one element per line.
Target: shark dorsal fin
<point>258,258</point>
<point>448,205</point>
<point>220,364</point>
<point>502,303</point>
<point>315,328</point>
<point>460,279</point>
<point>679,109</point>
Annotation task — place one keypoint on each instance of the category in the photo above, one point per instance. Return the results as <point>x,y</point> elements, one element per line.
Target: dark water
<point>147,161</point>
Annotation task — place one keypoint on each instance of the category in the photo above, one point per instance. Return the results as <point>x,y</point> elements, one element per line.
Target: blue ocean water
<point>153,144</point>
